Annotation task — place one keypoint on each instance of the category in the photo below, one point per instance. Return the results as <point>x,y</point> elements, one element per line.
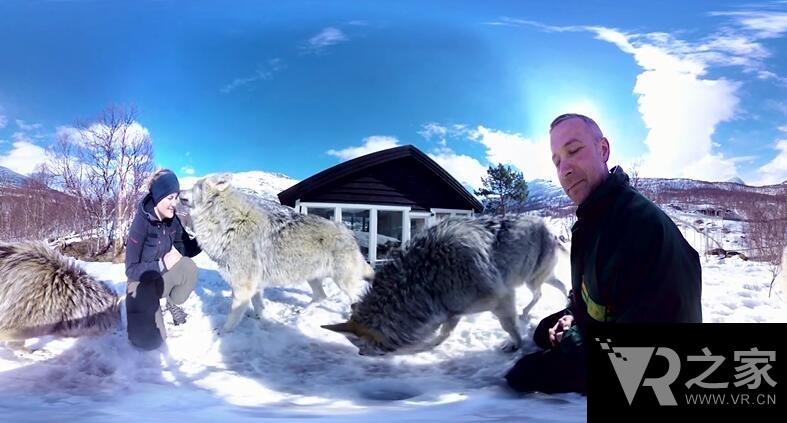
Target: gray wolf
<point>256,242</point>
<point>459,266</point>
<point>44,293</point>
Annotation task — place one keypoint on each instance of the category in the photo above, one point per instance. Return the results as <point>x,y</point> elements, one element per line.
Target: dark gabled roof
<point>363,163</point>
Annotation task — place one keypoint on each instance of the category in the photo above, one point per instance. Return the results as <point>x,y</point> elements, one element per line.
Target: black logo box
<point>607,399</point>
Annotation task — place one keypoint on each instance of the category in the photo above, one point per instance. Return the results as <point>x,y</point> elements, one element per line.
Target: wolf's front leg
<point>506,314</point>
<point>318,293</point>
<point>445,331</point>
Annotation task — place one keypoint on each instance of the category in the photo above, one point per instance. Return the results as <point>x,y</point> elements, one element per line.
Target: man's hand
<point>556,332</point>
<point>171,258</point>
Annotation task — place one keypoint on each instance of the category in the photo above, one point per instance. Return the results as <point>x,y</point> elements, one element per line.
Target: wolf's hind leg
<point>318,293</point>
<point>256,303</point>
<point>241,297</point>
<point>557,283</point>
<point>506,314</point>
<point>536,291</point>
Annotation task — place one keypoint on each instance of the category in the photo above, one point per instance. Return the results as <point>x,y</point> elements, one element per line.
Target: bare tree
<point>103,163</point>
<point>766,231</point>
<point>634,176</point>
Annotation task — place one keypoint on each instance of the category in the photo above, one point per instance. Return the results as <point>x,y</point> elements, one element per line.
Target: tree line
<point>94,176</point>
<point>88,187</point>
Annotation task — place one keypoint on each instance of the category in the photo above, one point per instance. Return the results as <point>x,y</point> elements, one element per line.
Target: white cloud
<point>775,171</point>
<point>24,126</point>
<point>326,38</point>
<point>370,145</point>
<point>681,113</point>
<point>263,73</point>
<point>134,134</point>
<point>187,170</point>
<point>433,129</point>
<point>24,157</point>
<point>465,169</point>
<point>531,157</point>
<point>680,105</point>
<point>763,24</point>
<point>3,121</point>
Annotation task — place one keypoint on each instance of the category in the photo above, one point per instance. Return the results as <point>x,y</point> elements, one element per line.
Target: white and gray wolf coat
<point>44,293</point>
<point>459,266</point>
<point>257,242</point>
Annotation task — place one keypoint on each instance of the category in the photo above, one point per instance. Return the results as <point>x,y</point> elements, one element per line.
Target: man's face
<point>580,159</point>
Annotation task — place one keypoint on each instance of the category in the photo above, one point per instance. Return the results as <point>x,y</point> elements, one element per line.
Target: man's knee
<point>548,372</point>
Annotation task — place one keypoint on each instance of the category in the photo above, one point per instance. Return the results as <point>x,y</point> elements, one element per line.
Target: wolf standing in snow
<point>457,267</point>
<point>43,293</point>
<point>256,242</point>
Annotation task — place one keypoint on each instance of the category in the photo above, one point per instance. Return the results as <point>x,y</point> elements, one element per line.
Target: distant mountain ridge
<point>542,193</point>
<point>10,178</point>
<point>264,184</point>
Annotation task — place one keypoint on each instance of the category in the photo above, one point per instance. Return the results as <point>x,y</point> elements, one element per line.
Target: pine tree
<point>504,185</point>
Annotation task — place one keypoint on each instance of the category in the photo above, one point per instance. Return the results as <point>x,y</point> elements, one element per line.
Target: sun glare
<point>582,106</point>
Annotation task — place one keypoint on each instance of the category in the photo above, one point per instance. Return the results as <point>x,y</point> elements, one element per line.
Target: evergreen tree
<point>503,186</point>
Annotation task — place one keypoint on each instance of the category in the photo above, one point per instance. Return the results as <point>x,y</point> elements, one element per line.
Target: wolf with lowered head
<point>256,242</point>
<point>458,267</point>
<point>44,293</point>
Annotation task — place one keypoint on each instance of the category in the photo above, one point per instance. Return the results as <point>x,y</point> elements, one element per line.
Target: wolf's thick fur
<point>257,242</point>
<point>44,293</point>
<point>457,267</point>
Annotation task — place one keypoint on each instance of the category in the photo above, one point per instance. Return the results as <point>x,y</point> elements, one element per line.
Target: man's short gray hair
<point>597,134</point>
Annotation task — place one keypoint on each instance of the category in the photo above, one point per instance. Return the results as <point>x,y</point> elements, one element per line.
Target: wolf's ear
<point>221,181</point>
<point>344,328</point>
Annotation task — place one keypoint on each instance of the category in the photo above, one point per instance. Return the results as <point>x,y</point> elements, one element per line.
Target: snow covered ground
<point>286,368</point>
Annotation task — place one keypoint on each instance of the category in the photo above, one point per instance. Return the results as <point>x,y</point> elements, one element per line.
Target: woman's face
<point>166,207</point>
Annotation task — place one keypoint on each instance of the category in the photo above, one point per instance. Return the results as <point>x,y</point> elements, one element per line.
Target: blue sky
<point>682,89</point>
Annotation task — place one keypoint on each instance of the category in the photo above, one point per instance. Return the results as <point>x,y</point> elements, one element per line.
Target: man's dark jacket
<point>629,261</point>
<point>150,238</point>
<point>629,264</point>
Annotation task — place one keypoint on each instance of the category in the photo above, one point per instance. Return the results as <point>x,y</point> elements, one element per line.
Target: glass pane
<point>441,216</point>
<point>358,222</point>
<point>326,212</point>
<point>417,225</point>
<point>389,231</point>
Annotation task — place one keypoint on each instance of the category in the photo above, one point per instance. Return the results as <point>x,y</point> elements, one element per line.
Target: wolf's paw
<point>509,347</point>
<point>253,315</point>
<point>220,331</point>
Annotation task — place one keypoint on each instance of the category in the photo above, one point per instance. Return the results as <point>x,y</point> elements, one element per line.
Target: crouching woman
<point>158,263</point>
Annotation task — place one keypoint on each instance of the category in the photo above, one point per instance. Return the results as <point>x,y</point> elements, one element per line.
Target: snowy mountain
<point>10,178</point>
<point>547,194</point>
<point>265,184</point>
